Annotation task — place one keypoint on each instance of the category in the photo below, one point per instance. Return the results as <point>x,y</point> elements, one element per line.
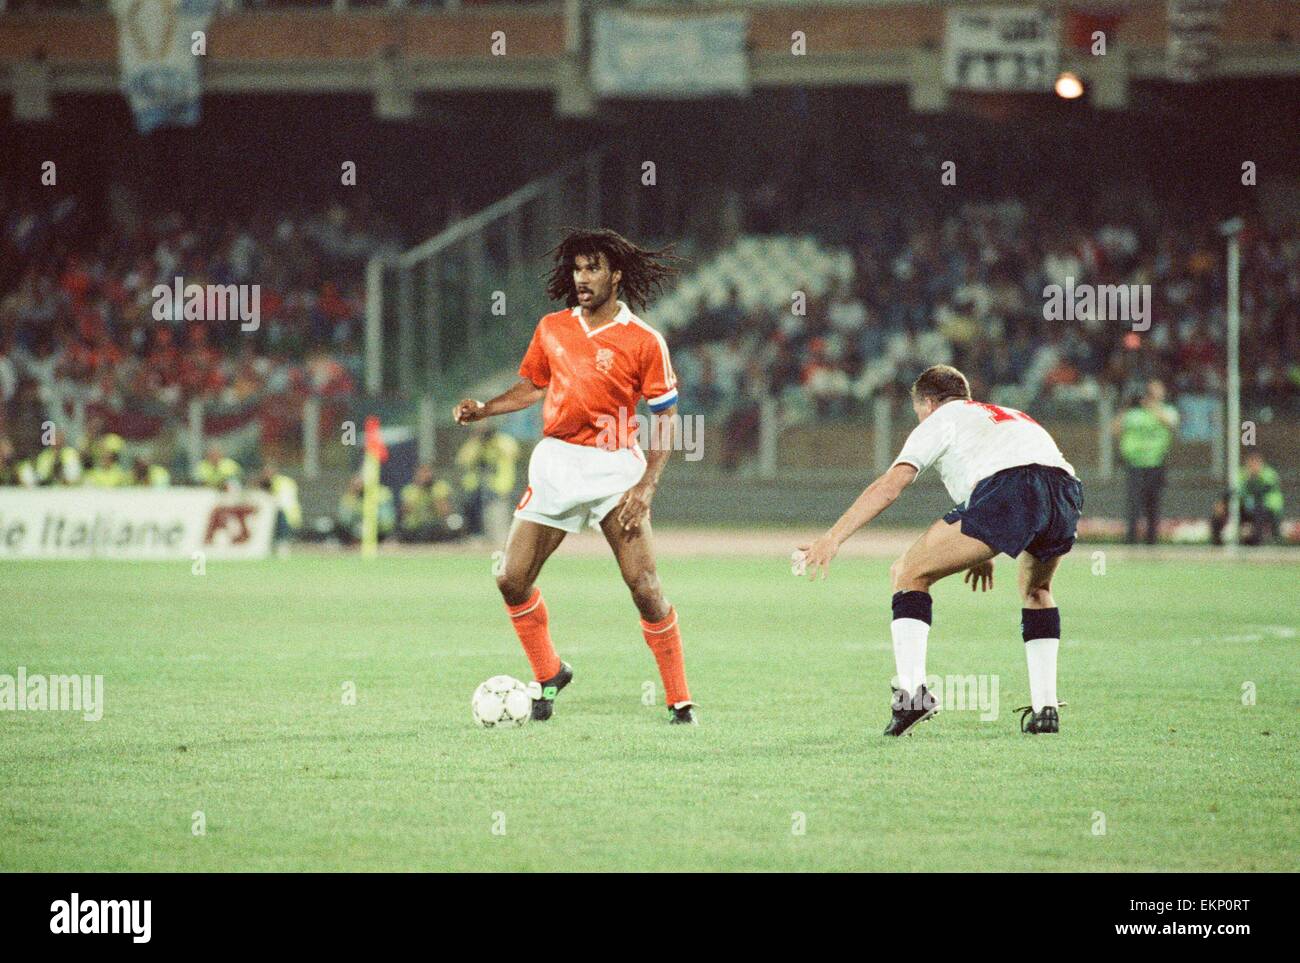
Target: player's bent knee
<point>906,577</point>
<point>1038,597</point>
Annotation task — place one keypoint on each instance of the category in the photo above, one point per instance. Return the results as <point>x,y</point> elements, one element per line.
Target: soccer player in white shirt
<point>1014,493</point>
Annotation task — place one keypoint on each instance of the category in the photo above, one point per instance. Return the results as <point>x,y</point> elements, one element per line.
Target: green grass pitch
<point>224,695</point>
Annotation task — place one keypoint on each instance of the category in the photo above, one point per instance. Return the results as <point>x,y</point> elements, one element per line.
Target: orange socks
<point>529,620</point>
<point>665,641</point>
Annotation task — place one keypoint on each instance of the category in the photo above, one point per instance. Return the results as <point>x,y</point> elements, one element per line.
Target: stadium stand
<point>967,288</point>
<point>81,336</point>
<point>817,192</point>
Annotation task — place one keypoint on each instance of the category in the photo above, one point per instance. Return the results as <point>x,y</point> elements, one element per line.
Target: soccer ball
<point>502,702</point>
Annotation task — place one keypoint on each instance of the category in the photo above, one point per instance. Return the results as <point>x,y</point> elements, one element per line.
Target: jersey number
<point>1001,414</point>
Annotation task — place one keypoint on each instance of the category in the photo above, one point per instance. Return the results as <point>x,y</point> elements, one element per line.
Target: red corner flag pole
<point>376,452</point>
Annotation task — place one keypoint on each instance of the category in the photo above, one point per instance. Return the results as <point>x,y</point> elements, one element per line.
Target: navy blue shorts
<point>1029,507</point>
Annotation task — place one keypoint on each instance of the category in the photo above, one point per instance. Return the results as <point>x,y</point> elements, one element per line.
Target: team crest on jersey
<point>604,360</point>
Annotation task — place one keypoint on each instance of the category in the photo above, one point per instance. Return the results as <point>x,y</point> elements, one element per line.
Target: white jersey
<point>969,441</point>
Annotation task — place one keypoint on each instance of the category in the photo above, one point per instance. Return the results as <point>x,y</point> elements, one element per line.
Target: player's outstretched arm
<point>522,394</point>
<point>875,498</point>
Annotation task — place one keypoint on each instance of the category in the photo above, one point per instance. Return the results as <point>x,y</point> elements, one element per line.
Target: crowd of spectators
<point>969,288</point>
<point>82,327</point>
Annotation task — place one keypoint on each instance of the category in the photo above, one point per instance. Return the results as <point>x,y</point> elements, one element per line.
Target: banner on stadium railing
<point>160,71</point>
<point>1000,48</point>
<point>644,54</point>
<point>134,523</point>
<point>1193,41</point>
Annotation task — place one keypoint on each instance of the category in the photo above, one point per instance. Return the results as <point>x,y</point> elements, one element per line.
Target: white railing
<point>432,306</point>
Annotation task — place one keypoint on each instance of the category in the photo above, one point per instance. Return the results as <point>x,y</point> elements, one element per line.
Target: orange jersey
<point>594,377</point>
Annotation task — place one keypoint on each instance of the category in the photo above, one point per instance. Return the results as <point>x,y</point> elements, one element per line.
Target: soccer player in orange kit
<point>592,363</point>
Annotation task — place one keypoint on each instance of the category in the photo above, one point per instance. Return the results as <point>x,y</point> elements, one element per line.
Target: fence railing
<point>444,304</point>
<point>783,444</point>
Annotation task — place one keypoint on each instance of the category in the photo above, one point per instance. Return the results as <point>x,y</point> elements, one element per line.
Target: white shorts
<point>570,486</point>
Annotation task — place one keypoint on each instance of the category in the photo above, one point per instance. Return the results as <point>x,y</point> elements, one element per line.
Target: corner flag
<point>376,452</point>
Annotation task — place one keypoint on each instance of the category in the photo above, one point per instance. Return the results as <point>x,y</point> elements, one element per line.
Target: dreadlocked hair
<point>644,271</point>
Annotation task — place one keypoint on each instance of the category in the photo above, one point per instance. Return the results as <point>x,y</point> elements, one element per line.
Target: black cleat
<point>1049,720</point>
<point>909,710</point>
<point>682,715</point>
<point>544,701</point>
